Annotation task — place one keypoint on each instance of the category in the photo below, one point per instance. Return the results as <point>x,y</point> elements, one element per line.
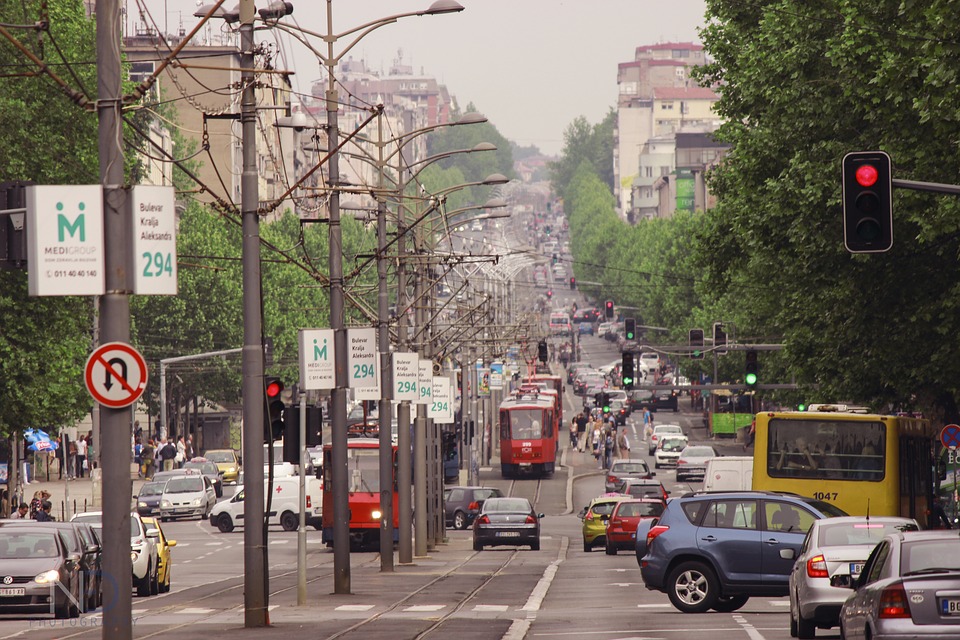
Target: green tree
<point>583,142</point>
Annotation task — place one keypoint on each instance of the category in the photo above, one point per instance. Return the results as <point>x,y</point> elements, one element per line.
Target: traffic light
<point>605,402</point>
<point>867,202</point>
<point>291,431</point>
<point>608,309</point>
<point>719,339</point>
<point>542,354</point>
<point>549,293</point>
<point>630,328</point>
<point>696,344</point>
<point>801,407</point>
<point>555,259</point>
<point>273,409</point>
<point>573,284</point>
<point>626,370</point>
<point>751,370</point>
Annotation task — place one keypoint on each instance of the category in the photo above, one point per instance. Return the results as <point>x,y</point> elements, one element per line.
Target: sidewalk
<point>81,493</point>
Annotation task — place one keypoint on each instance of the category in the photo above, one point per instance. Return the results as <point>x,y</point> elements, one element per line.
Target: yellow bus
<point>862,463</point>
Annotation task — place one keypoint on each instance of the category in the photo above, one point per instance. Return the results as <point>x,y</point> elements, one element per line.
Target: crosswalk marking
<point>491,607</point>
<point>213,544</point>
<point>354,607</point>
<point>421,608</point>
<point>195,611</point>
<point>279,542</point>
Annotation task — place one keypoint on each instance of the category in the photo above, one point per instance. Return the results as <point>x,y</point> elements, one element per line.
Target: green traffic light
<point>628,380</point>
<point>629,336</point>
<point>751,379</point>
<point>801,407</point>
<point>606,409</point>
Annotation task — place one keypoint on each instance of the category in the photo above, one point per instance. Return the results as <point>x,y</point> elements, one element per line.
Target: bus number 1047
<point>825,495</point>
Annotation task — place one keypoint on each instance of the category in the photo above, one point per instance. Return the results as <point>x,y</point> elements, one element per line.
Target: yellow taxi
<point>164,545</point>
<point>595,516</point>
<point>227,463</point>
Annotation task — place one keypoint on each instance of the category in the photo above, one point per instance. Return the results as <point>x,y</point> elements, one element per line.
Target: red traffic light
<point>274,388</point>
<point>867,175</point>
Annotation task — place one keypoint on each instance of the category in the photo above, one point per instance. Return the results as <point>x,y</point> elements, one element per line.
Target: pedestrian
<point>647,423</point>
<point>751,434</point>
<point>938,517</point>
<point>582,421</point>
<point>59,453</point>
<point>168,454</point>
<point>148,461</point>
<point>181,452</point>
<point>21,512</point>
<point>597,442</point>
<point>609,443</point>
<point>573,432</point>
<point>624,443</point>
<point>72,460</point>
<point>43,515</point>
<point>81,456</point>
<point>189,452</point>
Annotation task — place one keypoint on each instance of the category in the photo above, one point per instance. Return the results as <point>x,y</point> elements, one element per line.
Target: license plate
<point>508,534</point>
<point>950,607</point>
<point>12,592</point>
<point>855,569</point>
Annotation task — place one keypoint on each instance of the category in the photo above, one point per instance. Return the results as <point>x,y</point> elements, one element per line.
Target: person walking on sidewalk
<point>582,422</point>
<point>20,513</point>
<point>181,452</point>
<point>43,515</point>
<point>81,456</point>
<point>71,458</point>
<point>168,452</point>
<point>149,461</point>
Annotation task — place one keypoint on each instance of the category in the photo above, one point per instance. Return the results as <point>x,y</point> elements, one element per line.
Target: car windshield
<point>643,490</point>
<point>507,505</point>
<point>673,445</point>
<point>640,509</point>
<point>840,534</point>
<point>220,456</point>
<point>624,468</point>
<point>27,545</point>
<point>184,485</point>
<point>204,467</point>
<point>152,489</point>
<point>603,508</point>
<point>699,452</point>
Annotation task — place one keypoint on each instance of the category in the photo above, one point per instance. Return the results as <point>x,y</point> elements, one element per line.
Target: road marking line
<point>195,611</point>
<point>654,606</point>
<point>213,544</point>
<point>778,603</point>
<point>491,607</point>
<point>279,542</point>
<point>747,627</point>
<point>354,607</point>
<point>422,608</point>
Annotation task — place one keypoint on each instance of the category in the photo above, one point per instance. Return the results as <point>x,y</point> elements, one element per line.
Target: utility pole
<point>115,327</point>
<point>254,548</point>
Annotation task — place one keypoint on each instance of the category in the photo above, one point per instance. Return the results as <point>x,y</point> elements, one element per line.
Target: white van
<point>284,506</point>
<point>729,473</point>
<point>560,323</point>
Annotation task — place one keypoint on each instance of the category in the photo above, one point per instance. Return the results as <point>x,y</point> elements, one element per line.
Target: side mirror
<point>171,543</point>
<point>539,515</point>
<point>72,561</point>
<point>788,554</point>
<point>153,533</point>
<point>91,548</point>
<point>582,514</point>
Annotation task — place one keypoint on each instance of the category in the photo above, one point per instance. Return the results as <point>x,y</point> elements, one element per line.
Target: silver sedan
<point>834,551</point>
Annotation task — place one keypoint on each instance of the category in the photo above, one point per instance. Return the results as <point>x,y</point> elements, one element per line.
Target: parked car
<point>209,469</point>
<point>626,516</point>
<point>621,470</point>
<point>668,451</point>
<point>187,496</point>
<point>660,431</point>
<point>833,552</point>
<point>41,554</point>
<point>594,518</point>
<point>164,569</point>
<point>227,462</point>
<point>143,551</point>
<point>507,521</point>
<point>716,550</point>
<point>461,505</point>
<point>909,588</point>
<point>692,462</point>
<point>643,488</point>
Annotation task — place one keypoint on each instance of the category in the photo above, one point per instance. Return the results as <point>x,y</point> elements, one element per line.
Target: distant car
<point>41,556</point>
<point>649,361</point>
<point>227,462</point>
<point>164,568</point>
<point>585,328</point>
<point>661,430</point>
<point>594,518</point>
<point>716,550</point>
<point>665,400</point>
<point>148,500</point>
<point>187,496</point>
<point>622,526</point>
<point>476,226</point>
<point>834,551</point>
<point>692,462</point>
<point>622,470</point>
<point>462,504</point>
<point>507,521</point>
<point>574,368</point>
<point>909,588</point>
<point>209,469</point>
<point>640,398</point>
<point>668,450</point>
<point>643,488</point>
<point>619,411</point>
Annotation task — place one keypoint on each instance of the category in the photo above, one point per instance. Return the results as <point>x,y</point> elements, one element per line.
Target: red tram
<point>363,476</point>
<point>528,434</point>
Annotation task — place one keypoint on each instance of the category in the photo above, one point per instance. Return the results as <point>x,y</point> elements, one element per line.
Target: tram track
<point>525,489</point>
<point>439,621</point>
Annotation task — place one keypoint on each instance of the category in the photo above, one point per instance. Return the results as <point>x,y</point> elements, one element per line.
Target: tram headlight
<point>375,514</point>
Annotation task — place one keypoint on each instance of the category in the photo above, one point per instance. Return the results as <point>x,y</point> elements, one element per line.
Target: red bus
<point>363,476</point>
<point>528,434</point>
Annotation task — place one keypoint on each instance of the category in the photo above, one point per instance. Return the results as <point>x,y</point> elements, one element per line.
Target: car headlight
<point>375,515</point>
<point>133,556</point>
<point>165,503</point>
<point>196,502</point>
<point>141,504</point>
<point>47,577</point>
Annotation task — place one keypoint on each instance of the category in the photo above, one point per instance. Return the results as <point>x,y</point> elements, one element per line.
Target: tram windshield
<point>526,424</point>
<point>364,470</point>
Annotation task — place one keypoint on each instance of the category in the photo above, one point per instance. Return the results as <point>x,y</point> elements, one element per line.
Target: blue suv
<point>715,550</point>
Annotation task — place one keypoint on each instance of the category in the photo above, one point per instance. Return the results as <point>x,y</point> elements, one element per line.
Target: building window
<point>648,172</point>
<point>666,105</point>
<point>681,53</point>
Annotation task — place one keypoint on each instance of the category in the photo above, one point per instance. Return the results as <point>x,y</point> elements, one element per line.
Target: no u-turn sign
<point>115,375</point>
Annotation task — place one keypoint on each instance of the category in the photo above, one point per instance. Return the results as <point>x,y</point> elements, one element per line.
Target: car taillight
<point>473,506</point>
<point>531,520</point>
<point>612,479</point>
<point>309,505</point>
<point>665,494</point>
<point>681,461</point>
<point>483,520</point>
<point>589,515</point>
<point>654,532</point>
<point>893,603</point>
<point>817,567</point>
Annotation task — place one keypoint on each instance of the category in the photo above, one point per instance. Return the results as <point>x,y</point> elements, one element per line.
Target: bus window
<point>364,469</point>
<point>826,449</point>
<point>526,425</point>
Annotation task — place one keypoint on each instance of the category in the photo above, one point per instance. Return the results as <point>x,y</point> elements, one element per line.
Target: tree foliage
<point>583,142</point>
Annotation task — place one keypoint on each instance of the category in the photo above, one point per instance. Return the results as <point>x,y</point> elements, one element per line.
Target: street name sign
<point>317,370</point>
<point>370,393</point>
<point>65,240</point>
<point>441,406</point>
<point>426,382</point>
<point>154,231</point>
<point>115,375</point>
<point>406,377</point>
<point>361,358</point>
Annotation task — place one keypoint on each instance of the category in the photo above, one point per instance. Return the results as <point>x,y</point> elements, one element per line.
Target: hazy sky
<point>530,66</point>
